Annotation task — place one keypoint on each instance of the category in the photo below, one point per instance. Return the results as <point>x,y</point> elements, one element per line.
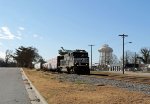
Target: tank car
<point>38,66</point>
<point>51,65</point>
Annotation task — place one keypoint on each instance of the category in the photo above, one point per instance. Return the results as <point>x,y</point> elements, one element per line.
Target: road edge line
<point>38,95</point>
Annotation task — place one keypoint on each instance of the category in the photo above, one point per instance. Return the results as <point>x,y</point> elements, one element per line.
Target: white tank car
<point>37,66</point>
<point>45,66</point>
<point>51,64</point>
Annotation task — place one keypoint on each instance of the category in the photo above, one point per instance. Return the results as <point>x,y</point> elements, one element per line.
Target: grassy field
<point>60,92</point>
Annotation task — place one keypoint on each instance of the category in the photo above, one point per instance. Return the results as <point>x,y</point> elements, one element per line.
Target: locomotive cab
<point>81,62</point>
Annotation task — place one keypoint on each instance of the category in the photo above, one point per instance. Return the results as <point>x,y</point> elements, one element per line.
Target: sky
<point>74,24</point>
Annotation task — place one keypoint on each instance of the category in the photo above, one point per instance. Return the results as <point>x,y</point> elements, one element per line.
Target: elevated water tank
<point>105,55</point>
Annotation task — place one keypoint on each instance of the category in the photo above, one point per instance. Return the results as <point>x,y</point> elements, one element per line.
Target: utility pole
<point>126,58</point>
<point>123,36</point>
<point>135,62</point>
<point>91,53</point>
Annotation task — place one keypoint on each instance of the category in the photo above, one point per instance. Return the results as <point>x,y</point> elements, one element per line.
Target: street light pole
<point>123,36</point>
<point>91,53</point>
<point>127,56</point>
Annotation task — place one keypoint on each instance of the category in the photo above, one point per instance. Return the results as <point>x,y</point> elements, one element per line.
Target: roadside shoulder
<point>34,95</point>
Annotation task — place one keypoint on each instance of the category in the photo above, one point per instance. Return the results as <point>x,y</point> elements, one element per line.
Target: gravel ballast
<point>145,88</point>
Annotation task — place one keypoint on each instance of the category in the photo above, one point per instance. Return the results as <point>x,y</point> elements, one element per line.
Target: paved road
<point>12,88</point>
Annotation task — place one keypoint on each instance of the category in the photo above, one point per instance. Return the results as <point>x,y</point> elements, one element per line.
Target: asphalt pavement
<point>12,88</point>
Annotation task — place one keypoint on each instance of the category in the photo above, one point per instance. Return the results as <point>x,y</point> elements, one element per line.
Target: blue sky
<point>74,24</point>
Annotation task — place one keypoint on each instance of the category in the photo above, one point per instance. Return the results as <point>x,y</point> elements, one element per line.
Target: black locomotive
<point>74,61</point>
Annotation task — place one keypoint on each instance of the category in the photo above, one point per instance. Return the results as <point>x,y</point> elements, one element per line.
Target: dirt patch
<point>60,92</point>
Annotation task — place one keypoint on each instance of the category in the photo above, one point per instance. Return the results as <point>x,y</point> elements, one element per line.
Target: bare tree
<point>129,57</point>
<point>114,59</point>
<point>2,62</point>
<point>8,56</point>
<point>145,58</point>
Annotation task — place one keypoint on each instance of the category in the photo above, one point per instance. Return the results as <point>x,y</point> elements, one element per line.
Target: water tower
<point>105,55</point>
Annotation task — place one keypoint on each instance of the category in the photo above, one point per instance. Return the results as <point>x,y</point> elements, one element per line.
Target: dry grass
<point>58,92</point>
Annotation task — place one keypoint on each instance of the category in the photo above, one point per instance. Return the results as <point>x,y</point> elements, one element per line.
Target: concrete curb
<point>34,95</point>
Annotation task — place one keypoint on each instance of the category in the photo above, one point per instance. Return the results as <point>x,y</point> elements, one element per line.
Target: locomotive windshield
<point>80,55</point>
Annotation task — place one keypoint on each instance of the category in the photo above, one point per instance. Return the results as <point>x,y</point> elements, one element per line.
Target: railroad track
<point>121,77</point>
<point>127,81</point>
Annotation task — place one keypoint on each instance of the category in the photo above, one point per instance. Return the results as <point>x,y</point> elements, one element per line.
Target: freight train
<point>71,61</point>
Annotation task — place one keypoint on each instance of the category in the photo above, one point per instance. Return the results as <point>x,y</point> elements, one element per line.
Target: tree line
<point>22,57</point>
<point>143,56</point>
<point>27,56</point>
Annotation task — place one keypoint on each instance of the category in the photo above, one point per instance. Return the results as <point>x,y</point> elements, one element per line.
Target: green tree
<point>26,56</point>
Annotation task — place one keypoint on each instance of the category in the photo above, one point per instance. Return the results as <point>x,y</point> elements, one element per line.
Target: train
<point>70,61</point>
